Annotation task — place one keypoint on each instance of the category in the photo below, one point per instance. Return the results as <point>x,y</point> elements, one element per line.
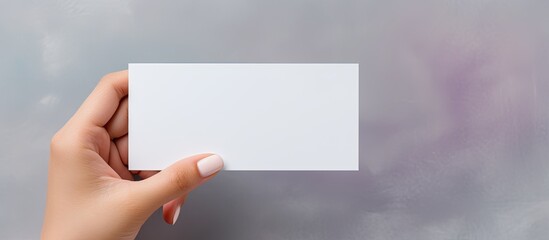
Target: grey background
<point>454,111</point>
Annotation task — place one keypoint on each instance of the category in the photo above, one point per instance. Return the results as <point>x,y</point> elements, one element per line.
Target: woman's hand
<point>91,193</point>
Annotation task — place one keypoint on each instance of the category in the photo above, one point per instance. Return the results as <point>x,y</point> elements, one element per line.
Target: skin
<point>91,194</point>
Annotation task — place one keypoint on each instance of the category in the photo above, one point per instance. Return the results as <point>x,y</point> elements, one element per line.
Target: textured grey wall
<point>454,111</point>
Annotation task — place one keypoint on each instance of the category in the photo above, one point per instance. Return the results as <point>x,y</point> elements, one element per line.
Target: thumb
<point>178,179</point>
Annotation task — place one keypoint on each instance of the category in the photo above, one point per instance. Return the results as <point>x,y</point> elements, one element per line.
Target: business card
<point>257,117</point>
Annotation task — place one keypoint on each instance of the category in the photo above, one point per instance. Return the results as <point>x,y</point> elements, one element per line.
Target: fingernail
<point>209,165</point>
<point>176,214</point>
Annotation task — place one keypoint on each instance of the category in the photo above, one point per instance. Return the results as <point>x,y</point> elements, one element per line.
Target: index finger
<point>102,103</point>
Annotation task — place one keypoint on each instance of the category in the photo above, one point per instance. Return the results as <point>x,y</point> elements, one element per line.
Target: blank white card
<point>255,116</point>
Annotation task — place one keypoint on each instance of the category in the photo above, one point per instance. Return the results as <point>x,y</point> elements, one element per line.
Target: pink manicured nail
<point>209,165</point>
<point>176,214</point>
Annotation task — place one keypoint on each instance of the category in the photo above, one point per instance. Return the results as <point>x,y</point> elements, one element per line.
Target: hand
<point>91,194</point>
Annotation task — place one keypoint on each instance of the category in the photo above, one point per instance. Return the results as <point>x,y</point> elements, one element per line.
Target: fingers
<point>116,163</point>
<point>170,210</point>
<point>122,146</point>
<point>178,179</point>
<point>118,124</point>
<point>102,103</point>
<point>147,174</point>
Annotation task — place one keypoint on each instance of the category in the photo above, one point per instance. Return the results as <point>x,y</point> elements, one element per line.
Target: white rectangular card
<point>255,116</point>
